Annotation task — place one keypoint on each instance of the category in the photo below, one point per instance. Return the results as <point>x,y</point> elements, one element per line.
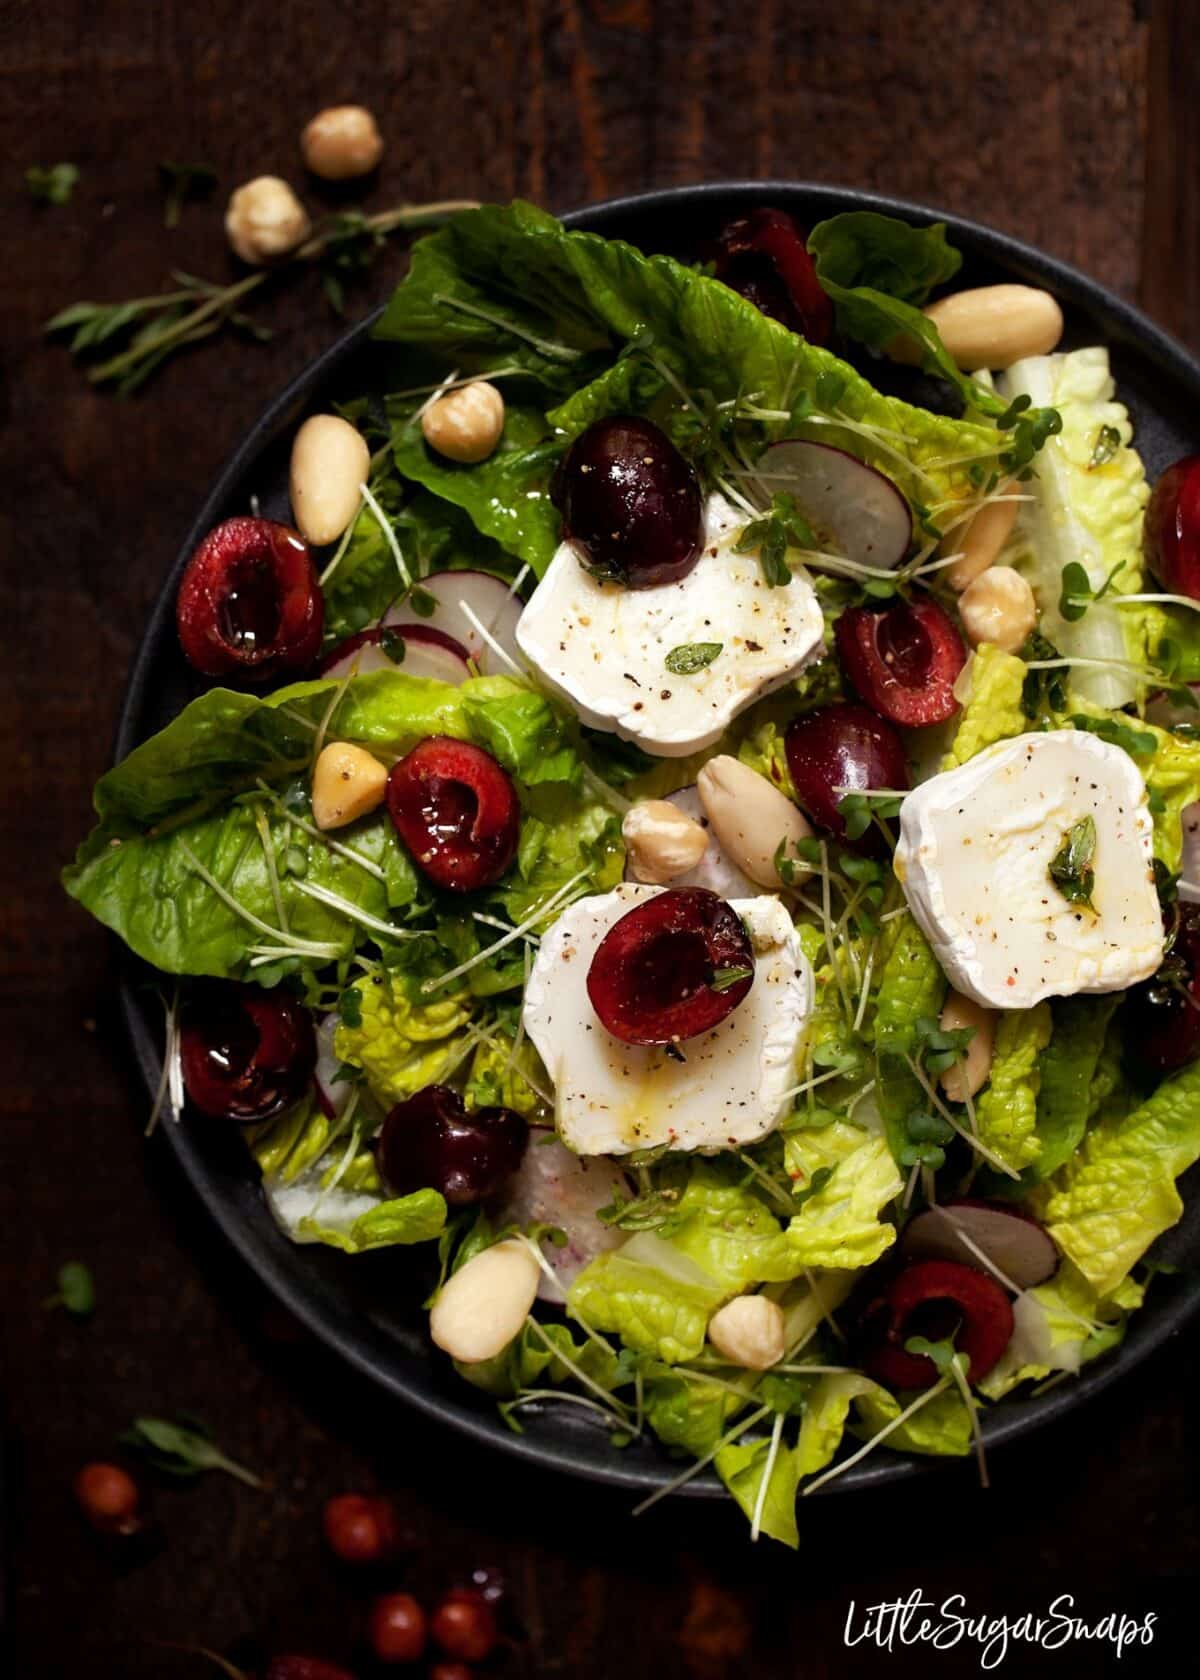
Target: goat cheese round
<point>732,1085</point>
<point>974,856</point>
<point>604,648</point>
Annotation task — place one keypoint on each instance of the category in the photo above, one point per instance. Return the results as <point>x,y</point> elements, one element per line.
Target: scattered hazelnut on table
<point>341,142</point>
<point>265,220</point>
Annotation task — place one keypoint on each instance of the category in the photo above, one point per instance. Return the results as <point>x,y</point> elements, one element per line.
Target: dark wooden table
<point>1073,125</point>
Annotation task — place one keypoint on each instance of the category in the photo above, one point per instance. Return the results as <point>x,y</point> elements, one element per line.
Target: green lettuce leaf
<point>742,1466</point>
<point>841,1226</point>
<point>941,1429</point>
<point>1006,1110</point>
<point>992,711</point>
<point>528,1362</point>
<point>656,1299</point>
<point>513,281</point>
<point>227,782</point>
<point>400,1044</point>
<point>690,1415</point>
<point>1066,1070</point>
<point>1059,1326</point>
<point>1085,512</point>
<point>1109,1203</point>
<point>824,1422</point>
<point>911,988</point>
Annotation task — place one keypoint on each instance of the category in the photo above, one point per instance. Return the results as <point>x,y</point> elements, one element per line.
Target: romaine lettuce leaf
<point>730,1233</point>
<point>840,1226</point>
<point>824,1420</point>
<point>686,1413</point>
<point>911,988</point>
<point>1006,1109</point>
<point>653,1297</point>
<point>992,711</point>
<point>1059,1326</point>
<point>227,782</point>
<point>1118,1193</point>
<point>742,1465</point>
<point>402,1045</point>
<point>512,280</point>
<point>1087,511</point>
<point>1066,1069</point>
<point>941,1429</point>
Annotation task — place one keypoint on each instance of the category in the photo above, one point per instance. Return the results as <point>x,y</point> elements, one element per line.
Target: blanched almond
<point>749,1331</point>
<point>981,539</point>
<point>347,783</point>
<point>989,327</point>
<point>480,1308</point>
<point>749,817</point>
<point>969,1075</point>
<point>661,841</point>
<point>330,461</point>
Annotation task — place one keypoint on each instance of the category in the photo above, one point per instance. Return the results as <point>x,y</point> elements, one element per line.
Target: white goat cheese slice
<point>976,844</point>
<point>732,1086</point>
<point>603,648</point>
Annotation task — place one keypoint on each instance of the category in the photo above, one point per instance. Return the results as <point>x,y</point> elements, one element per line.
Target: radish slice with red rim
<point>854,509</point>
<point>462,601</point>
<point>427,653</point>
<point>974,1232</point>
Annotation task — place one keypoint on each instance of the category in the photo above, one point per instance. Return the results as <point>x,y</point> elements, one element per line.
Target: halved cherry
<point>456,810</point>
<point>841,746</point>
<point>250,604</point>
<point>903,660</point>
<point>431,1142</point>
<point>1172,528</point>
<point>247,1053</point>
<point>673,966</point>
<point>764,257</point>
<point>939,1300</point>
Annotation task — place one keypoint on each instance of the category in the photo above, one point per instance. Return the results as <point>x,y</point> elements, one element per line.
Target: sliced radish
<point>853,508</point>
<point>716,871</point>
<point>462,597</point>
<point>554,1186</point>
<point>1011,1239</point>
<point>427,653</point>
<point>332,1094</point>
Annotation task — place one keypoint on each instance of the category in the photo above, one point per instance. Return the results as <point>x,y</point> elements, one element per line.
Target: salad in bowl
<point>694,822</point>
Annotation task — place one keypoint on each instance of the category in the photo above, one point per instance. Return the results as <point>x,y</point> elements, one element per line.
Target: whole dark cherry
<point>456,810</point>
<point>463,1625</point>
<point>430,1141</point>
<point>843,745</point>
<point>1171,537</point>
<point>247,1054</point>
<point>673,966</point>
<point>903,660</point>
<point>250,605</point>
<point>764,257</point>
<point>630,504</point>
<point>939,1300</point>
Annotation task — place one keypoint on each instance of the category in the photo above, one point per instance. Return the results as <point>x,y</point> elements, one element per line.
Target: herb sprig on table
<point>122,344</point>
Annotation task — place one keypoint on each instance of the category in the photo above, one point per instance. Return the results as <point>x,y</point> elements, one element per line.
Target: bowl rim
<point>360,1344</point>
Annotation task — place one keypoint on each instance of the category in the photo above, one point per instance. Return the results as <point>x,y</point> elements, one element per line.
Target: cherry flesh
<point>430,1141</point>
<point>841,746</point>
<point>1171,534</point>
<point>903,661</point>
<point>671,967</point>
<point>456,810</point>
<point>250,605</point>
<point>764,257</point>
<point>939,1300</point>
<point>247,1054</point>
<point>630,504</point>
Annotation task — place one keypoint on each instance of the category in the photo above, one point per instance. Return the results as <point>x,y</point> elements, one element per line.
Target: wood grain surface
<point>1074,125</point>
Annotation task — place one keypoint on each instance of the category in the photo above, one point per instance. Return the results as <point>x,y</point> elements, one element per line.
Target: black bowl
<point>355,1305</point>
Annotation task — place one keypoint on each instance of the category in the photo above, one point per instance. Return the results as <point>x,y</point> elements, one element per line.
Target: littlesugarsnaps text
<point>950,1625</point>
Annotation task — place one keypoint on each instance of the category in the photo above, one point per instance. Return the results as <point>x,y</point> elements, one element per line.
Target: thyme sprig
<point>150,330</point>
